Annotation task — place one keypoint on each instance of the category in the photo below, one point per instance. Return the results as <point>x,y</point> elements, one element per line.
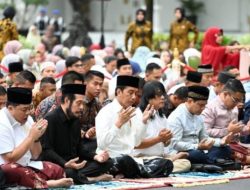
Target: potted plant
<point>192,8</point>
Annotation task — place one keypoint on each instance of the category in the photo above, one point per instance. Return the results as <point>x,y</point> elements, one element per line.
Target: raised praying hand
<point>125,115</point>
<point>148,112</point>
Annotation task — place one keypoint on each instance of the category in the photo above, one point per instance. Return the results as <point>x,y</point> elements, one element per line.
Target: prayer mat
<point>114,185</point>
<point>188,179</point>
<point>195,178</point>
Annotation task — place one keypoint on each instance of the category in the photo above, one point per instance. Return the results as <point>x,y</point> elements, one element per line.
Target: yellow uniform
<point>141,35</point>
<point>179,35</point>
<point>8,31</point>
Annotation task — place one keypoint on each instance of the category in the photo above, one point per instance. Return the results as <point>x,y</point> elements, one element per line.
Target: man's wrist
<point>145,121</point>
<point>118,124</point>
<point>158,139</point>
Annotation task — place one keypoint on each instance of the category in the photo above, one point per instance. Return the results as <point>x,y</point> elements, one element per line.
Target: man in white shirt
<point>20,145</point>
<point>123,68</point>
<point>121,127</point>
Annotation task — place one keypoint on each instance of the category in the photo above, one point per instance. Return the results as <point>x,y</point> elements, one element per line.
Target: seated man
<point>3,81</point>
<point>62,140</point>
<point>20,145</point>
<point>221,118</point>
<point>25,79</point>
<point>72,63</point>
<point>91,107</point>
<point>47,88</point>
<point>123,67</point>
<point>218,85</point>
<point>153,72</point>
<point>193,78</point>
<point>189,133</point>
<point>207,74</point>
<point>172,101</point>
<point>121,127</point>
<point>14,69</point>
<point>51,102</point>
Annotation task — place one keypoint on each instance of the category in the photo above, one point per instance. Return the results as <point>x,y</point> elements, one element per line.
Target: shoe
<point>208,168</point>
<point>212,168</point>
<point>228,164</point>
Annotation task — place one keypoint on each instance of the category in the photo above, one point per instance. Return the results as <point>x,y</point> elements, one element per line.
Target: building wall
<point>64,7</point>
<point>231,15</point>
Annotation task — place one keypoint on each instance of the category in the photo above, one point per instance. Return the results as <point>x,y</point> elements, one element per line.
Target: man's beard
<point>69,113</point>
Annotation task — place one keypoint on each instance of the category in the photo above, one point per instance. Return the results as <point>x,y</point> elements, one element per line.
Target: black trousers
<point>89,144</point>
<point>91,169</point>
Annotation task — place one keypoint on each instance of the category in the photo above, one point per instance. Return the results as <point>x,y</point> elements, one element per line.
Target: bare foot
<point>119,176</point>
<point>180,155</point>
<point>64,182</point>
<point>103,177</point>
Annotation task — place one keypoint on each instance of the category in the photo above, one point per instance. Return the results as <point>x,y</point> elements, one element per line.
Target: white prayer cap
<point>191,52</point>
<point>46,64</point>
<point>156,60</point>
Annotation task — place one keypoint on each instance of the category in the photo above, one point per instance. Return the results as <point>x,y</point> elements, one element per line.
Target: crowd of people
<point>84,114</point>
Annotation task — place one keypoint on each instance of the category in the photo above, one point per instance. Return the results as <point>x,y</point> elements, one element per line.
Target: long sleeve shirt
<point>188,129</point>
<point>217,118</point>
<point>118,141</point>
<point>62,139</point>
<point>154,126</point>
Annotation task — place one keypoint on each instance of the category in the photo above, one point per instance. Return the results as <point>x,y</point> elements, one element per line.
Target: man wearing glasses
<point>221,118</point>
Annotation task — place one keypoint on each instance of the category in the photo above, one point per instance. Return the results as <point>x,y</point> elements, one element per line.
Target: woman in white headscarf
<point>27,56</point>
<point>7,59</point>
<point>33,36</point>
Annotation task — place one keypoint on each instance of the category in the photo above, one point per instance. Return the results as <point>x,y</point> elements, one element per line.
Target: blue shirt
<point>188,129</point>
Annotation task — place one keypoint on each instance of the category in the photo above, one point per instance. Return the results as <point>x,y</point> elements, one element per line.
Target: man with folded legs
<point>221,118</point>
<point>20,145</point>
<point>120,128</point>
<point>189,133</point>
<point>62,140</point>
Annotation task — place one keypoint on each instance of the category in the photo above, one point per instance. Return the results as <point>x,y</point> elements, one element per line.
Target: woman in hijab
<point>28,57</point>
<point>140,56</point>
<point>214,53</point>
<point>12,46</point>
<point>10,58</point>
<point>33,36</point>
<point>8,29</point>
<point>140,31</point>
<point>179,30</point>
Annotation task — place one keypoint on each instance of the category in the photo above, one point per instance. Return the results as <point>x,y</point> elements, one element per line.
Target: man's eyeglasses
<point>235,100</point>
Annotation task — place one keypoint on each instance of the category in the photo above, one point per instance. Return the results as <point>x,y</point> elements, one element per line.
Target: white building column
<point>157,27</point>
